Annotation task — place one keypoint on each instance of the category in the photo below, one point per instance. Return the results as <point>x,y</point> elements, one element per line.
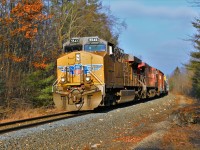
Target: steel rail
<point>32,122</point>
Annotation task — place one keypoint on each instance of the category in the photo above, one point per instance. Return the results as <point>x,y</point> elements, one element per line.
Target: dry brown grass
<point>26,113</point>
<point>133,138</point>
<point>180,137</point>
<point>180,98</point>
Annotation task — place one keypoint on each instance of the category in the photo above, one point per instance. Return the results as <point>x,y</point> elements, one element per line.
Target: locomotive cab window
<point>71,48</point>
<point>94,47</point>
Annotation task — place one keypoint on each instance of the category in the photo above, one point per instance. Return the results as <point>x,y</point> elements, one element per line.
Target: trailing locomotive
<point>93,72</point>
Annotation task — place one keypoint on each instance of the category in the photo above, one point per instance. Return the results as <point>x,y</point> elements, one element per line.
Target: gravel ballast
<point>118,128</point>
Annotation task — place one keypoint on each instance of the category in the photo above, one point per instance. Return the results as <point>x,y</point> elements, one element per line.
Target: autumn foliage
<point>27,13</point>
<point>14,57</point>
<point>32,33</point>
<point>23,19</point>
<point>40,61</point>
<point>22,49</point>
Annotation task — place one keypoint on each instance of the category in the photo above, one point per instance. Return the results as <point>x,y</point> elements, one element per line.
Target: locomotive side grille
<point>126,74</point>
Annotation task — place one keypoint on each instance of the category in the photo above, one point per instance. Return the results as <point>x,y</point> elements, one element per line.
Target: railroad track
<point>31,122</point>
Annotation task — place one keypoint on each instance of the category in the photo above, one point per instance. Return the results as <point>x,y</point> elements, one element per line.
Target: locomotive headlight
<point>78,57</point>
<point>63,79</point>
<point>88,79</point>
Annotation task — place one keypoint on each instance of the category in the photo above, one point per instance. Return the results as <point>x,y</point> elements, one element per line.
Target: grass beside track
<point>31,122</point>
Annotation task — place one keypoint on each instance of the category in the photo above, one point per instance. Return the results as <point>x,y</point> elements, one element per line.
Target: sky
<point>158,31</point>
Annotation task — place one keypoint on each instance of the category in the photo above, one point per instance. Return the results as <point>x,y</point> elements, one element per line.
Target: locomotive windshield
<point>71,48</point>
<point>94,47</point>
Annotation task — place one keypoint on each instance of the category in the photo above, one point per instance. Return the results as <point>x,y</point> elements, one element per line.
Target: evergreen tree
<point>177,72</point>
<point>174,80</point>
<point>180,81</point>
<point>39,86</point>
<point>195,60</point>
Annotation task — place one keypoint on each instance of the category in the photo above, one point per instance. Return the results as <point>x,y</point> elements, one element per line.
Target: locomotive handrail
<point>96,78</point>
<point>55,83</point>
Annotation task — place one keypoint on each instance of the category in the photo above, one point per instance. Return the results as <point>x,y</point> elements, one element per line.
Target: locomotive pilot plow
<point>75,100</point>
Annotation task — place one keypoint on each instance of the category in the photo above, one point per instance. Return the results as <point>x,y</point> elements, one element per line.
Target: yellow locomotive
<point>93,72</point>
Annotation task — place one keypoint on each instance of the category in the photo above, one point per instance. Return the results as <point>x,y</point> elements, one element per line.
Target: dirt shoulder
<point>180,129</point>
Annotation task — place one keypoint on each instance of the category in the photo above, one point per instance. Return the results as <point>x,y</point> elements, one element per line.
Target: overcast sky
<point>157,30</point>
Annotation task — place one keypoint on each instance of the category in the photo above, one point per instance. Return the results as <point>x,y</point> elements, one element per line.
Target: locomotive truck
<point>92,72</point>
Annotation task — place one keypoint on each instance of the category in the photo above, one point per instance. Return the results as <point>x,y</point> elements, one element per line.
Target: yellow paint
<point>86,58</point>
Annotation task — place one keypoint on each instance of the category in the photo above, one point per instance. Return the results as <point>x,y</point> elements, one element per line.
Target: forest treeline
<point>31,36</point>
<point>187,80</point>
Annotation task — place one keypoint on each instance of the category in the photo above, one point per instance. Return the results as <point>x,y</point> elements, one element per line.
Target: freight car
<point>93,72</point>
